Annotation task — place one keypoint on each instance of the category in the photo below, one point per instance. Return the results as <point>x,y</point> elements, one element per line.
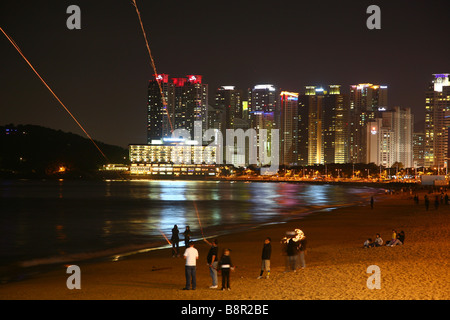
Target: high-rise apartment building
<point>418,149</point>
<point>186,102</point>
<point>390,138</point>
<point>288,128</point>
<point>262,106</point>
<point>323,126</point>
<point>366,102</point>
<point>263,114</point>
<point>437,121</point>
<point>228,99</point>
<point>159,114</point>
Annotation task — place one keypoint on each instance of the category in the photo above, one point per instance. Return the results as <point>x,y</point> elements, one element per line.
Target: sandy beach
<point>336,262</point>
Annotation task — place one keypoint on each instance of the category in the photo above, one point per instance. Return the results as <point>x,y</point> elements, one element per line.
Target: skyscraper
<point>323,126</point>
<point>186,102</point>
<point>366,101</point>
<point>437,121</point>
<point>195,94</point>
<point>390,138</point>
<point>418,149</point>
<point>263,114</point>
<point>228,99</point>
<point>288,128</point>
<point>159,116</point>
<point>262,105</point>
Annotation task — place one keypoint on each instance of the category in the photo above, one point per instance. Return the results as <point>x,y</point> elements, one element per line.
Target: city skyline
<point>101,71</point>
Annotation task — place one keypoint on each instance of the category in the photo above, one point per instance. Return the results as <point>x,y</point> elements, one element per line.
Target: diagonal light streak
<point>53,93</point>
<point>153,64</point>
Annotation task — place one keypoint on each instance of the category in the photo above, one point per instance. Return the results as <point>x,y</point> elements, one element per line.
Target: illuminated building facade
<point>390,138</point>
<point>173,150</point>
<point>323,126</point>
<point>263,113</point>
<point>159,114</point>
<point>418,149</point>
<point>367,101</point>
<point>288,128</point>
<point>186,102</point>
<point>171,156</point>
<point>437,121</point>
<point>228,100</point>
<point>262,100</point>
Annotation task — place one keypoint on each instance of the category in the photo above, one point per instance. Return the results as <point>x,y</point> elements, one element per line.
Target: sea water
<point>57,221</point>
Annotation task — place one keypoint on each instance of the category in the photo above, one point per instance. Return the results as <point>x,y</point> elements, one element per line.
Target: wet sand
<point>336,262</point>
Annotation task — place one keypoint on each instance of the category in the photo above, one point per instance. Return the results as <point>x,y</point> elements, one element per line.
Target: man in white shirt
<point>191,257</point>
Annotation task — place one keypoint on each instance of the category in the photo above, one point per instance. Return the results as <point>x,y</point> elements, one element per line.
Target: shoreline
<point>336,262</point>
<point>27,269</point>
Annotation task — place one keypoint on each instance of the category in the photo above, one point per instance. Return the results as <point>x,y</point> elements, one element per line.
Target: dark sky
<point>101,71</point>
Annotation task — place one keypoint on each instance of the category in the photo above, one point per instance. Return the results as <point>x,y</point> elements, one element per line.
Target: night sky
<point>101,71</point>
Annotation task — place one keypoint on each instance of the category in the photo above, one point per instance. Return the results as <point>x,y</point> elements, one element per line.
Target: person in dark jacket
<point>187,236</point>
<point>175,241</point>
<point>266,253</point>
<point>226,265</point>
<point>212,261</point>
<point>292,253</point>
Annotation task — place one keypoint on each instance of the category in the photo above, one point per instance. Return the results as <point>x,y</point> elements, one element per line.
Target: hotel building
<point>172,157</point>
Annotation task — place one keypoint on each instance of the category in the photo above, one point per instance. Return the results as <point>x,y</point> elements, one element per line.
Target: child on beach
<point>226,265</point>
<point>378,241</point>
<point>266,252</point>
<point>367,243</point>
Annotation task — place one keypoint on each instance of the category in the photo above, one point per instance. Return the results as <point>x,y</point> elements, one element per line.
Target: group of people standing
<point>215,264</point>
<point>438,199</point>
<point>295,254</point>
<point>191,256</point>
<point>294,250</point>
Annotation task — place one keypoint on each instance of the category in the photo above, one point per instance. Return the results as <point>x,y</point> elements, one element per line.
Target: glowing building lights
<point>264,87</point>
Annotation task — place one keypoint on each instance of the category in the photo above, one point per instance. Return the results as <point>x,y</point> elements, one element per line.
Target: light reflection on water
<point>83,216</point>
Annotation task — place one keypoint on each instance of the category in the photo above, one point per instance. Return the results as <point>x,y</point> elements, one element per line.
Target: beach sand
<point>336,262</point>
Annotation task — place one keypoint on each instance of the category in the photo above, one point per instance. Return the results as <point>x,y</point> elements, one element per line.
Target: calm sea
<point>46,222</point>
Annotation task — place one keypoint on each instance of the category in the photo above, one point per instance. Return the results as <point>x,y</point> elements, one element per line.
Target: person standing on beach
<point>175,241</point>
<point>302,250</point>
<point>266,253</point>
<point>291,251</point>
<point>371,202</point>
<point>226,266</point>
<point>191,257</point>
<point>187,236</point>
<point>213,261</point>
